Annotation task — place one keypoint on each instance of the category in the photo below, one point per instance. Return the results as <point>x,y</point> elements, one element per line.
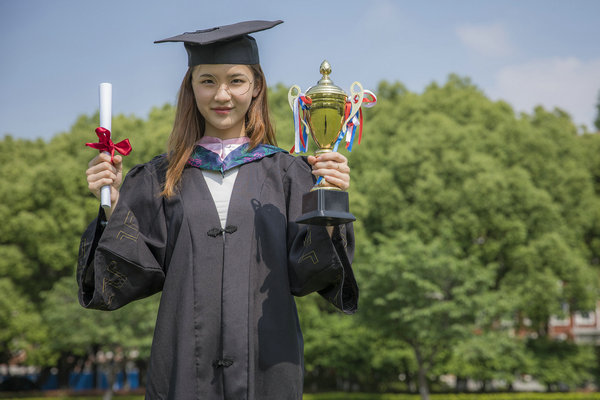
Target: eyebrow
<point>228,76</point>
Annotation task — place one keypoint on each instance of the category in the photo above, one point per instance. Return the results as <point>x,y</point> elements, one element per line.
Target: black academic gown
<point>227,326</point>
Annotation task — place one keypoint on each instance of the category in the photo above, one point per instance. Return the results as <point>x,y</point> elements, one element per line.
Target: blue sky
<point>53,54</point>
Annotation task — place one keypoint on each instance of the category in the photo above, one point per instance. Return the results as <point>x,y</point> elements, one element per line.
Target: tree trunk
<point>66,364</point>
<point>95,350</point>
<point>423,386</point>
<point>110,380</point>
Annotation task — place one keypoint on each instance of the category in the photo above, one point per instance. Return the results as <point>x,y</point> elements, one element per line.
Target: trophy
<point>327,113</point>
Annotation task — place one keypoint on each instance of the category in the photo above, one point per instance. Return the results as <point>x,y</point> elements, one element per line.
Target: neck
<point>223,134</point>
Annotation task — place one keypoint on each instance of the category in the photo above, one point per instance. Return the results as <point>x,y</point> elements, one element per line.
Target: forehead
<point>222,69</point>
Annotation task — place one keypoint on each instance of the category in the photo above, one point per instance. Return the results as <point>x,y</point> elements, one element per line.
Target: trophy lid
<point>325,84</point>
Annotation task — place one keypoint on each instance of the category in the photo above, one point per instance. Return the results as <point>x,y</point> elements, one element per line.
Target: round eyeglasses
<point>236,85</point>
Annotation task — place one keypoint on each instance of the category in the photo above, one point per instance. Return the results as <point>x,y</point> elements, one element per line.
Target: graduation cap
<point>228,44</point>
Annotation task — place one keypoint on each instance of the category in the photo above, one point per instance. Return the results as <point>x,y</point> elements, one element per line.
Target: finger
<point>103,166</point>
<point>104,176</point>
<point>338,176</point>
<point>95,187</point>
<point>329,171</point>
<point>332,156</point>
<point>118,161</point>
<point>312,160</point>
<point>333,165</point>
<point>94,161</point>
<point>332,169</point>
<point>110,174</point>
<point>100,158</point>
<point>104,156</point>
<point>340,183</point>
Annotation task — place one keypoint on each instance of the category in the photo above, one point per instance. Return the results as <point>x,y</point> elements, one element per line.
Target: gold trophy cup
<point>324,117</point>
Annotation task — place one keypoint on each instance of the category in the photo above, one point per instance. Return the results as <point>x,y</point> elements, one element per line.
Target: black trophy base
<point>325,207</point>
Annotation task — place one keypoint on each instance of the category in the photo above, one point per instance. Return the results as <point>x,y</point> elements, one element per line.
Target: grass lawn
<point>368,396</point>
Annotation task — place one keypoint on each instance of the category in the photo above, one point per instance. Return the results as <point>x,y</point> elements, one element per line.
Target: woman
<point>211,224</point>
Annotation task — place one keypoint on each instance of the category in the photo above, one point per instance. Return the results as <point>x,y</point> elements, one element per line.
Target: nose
<point>222,93</point>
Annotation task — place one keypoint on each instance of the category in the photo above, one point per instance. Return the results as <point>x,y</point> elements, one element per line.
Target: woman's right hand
<point>102,172</point>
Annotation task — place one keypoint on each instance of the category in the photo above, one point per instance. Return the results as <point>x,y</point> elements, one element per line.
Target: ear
<point>255,91</point>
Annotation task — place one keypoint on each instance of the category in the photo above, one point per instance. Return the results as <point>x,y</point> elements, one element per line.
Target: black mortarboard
<point>229,44</point>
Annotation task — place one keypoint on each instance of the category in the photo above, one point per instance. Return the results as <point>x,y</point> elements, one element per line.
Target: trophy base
<point>325,207</point>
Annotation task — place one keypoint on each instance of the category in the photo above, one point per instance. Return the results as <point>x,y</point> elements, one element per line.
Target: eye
<point>205,80</point>
<point>238,81</point>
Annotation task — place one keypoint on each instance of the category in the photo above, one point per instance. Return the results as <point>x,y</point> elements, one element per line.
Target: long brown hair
<point>189,124</point>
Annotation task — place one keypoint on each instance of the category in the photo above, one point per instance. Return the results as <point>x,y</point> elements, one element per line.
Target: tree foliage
<point>475,226</point>
<point>597,120</point>
<point>471,217</point>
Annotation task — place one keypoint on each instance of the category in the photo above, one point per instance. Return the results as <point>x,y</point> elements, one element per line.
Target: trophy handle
<point>293,97</point>
<point>356,98</point>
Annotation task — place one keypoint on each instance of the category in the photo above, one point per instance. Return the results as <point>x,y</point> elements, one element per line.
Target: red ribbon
<point>360,126</point>
<point>106,144</point>
<point>306,100</point>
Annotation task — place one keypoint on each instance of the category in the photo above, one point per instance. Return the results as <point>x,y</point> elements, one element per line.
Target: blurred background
<point>476,185</point>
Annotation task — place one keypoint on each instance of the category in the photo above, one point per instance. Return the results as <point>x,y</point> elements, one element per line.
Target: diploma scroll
<point>105,91</point>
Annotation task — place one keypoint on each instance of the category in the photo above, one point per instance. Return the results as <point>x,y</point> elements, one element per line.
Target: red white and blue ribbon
<point>355,121</point>
<point>300,106</point>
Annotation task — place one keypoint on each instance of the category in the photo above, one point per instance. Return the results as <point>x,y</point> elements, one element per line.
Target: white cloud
<point>487,40</point>
<point>568,83</point>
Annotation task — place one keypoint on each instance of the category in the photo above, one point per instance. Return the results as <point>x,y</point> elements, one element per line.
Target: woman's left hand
<point>333,167</point>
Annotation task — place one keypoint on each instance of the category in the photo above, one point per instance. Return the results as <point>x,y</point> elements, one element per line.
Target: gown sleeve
<point>317,262</point>
<point>123,261</point>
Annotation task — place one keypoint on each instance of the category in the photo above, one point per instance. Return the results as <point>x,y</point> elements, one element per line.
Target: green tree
<point>424,295</point>
<point>82,333</point>
<point>45,206</point>
<point>561,364</point>
<point>455,193</point>
<point>474,224</point>
<point>491,355</point>
<point>22,330</point>
<point>597,120</point>
<point>341,353</point>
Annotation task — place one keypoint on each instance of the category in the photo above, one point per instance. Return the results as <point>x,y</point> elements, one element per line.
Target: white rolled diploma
<point>105,91</point>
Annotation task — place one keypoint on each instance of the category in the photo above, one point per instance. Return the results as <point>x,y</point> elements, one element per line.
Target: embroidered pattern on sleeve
<point>115,279</point>
<point>133,231</point>
<point>343,236</point>
<point>311,255</point>
<point>82,247</point>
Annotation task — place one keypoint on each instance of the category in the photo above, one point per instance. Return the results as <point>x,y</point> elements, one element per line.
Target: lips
<point>222,110</point>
